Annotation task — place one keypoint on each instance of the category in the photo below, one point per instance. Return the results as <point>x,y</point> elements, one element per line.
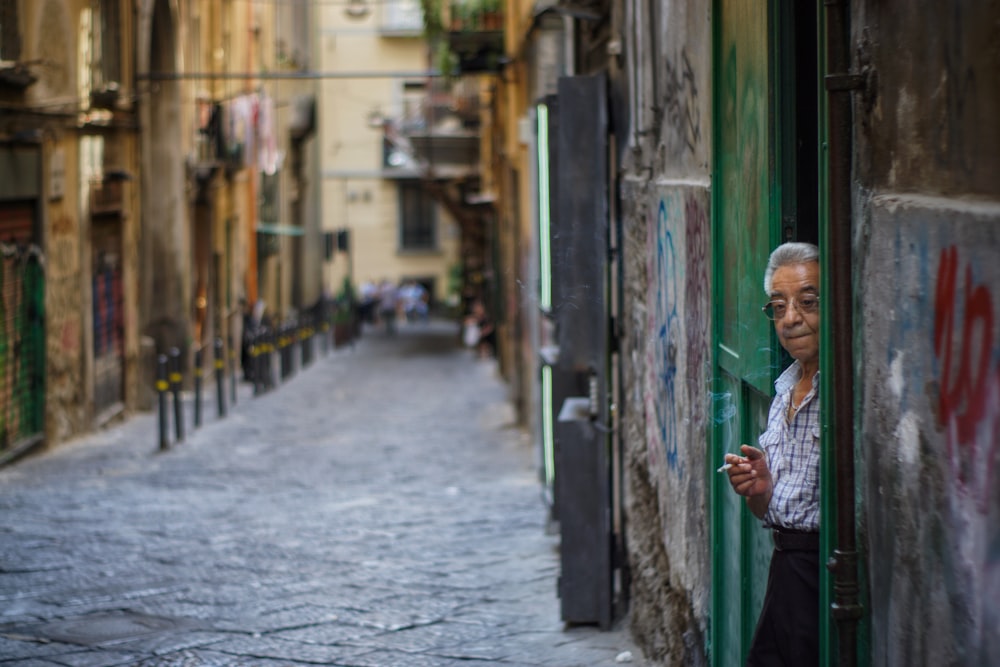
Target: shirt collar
<point>790,376</point>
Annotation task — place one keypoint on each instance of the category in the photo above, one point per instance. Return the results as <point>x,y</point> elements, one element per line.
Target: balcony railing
<point>107,195</point>
<point>476,16</point>
<point>436,133</point>
<point>475,35</point>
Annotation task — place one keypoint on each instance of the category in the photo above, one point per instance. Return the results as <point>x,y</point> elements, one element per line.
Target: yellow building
<point>375,96</point>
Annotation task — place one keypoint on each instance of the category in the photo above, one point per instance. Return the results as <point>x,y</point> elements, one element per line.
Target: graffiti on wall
<point>664,327</point>
<point>969,382</point>
<point>968,411</point>
<point>934,500</point>
<point>696,305</point>
<point>677,352</point>
<point>681,101</point>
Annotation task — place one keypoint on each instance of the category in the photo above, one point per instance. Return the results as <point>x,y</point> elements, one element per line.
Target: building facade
<point>70,231</point>
<point>376,101</point>
<point>158,177</point>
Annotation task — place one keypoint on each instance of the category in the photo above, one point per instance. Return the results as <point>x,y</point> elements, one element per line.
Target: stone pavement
<point>377,509</point>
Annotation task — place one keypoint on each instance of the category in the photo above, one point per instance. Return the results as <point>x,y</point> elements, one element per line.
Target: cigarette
<point>724,467</point>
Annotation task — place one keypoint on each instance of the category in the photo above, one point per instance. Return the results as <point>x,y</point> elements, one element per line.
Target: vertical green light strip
<point>544,251</point>
<point>547,444</point>
<point>545,285</point>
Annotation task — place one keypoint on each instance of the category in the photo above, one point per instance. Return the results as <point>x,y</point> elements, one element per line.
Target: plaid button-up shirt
<point>792,449</point>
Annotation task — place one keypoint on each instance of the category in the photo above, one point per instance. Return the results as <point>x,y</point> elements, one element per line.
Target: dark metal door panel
<point>579,252</point>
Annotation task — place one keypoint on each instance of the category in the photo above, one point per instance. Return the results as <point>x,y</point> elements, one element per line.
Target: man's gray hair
<point>787,254</point>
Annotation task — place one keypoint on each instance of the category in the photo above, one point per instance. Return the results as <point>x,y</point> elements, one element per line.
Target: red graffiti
<point>963,389</point>
<point>969,391</point>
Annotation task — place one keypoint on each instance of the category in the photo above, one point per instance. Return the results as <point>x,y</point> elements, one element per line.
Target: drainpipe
<point>845,608</point>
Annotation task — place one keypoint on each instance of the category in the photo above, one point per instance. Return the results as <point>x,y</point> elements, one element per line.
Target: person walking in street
<point>780,479</point>
<point>388,304</point>
<point>485,331</point>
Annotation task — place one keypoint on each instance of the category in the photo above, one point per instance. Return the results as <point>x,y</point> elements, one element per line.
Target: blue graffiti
<point>665,312</point>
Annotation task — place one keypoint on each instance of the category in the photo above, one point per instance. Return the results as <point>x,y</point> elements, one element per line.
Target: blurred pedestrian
<point>253,326</point>
<point>388,305</point>
<point>481,328</point>
<point>414,300</point>
<point>368,300</point>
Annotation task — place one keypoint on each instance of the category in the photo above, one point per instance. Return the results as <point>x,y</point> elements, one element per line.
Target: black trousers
<point>787,633</point>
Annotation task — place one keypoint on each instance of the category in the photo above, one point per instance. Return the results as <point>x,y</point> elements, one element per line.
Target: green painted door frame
<point>827,478</point>
<point>745,226</point>
<point>764,192</point>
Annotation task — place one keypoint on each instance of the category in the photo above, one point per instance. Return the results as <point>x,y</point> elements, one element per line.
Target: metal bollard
<point>284,352</point>
<point>257,363</point>
<point>220,377</point>
<point>175,388</point>
<point>305,342</point>
<point>232,371</point>
<point>197,387</point>
<point>161,389</point>
<point>270,343</point>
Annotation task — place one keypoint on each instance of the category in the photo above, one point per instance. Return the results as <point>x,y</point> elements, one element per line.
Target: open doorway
<point>798,132</point>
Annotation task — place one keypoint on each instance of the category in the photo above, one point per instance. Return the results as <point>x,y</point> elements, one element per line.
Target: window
<point>418,218</point>
<point>10,34</point>
<point>269,210</point>
<point>402,16</point>
<point>99,56</point>
<point>414,118</point>
<point>292,34</point>
<point>106,37</point>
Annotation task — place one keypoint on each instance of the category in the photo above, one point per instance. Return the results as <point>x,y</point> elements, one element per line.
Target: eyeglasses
<point>775,309</point>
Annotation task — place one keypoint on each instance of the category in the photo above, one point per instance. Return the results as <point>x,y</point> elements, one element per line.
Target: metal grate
<point>22,345</point>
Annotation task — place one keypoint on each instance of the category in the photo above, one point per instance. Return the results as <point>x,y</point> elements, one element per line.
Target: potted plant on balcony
<point>445,60</point>
<point>492,15</point>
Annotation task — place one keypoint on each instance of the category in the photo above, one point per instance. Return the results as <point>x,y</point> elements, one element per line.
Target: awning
<point>278,229</point>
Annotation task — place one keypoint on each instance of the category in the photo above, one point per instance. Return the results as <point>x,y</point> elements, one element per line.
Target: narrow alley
<point>378,509</point>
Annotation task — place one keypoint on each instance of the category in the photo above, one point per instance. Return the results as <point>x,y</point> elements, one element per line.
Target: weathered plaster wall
<point>930,430</point>
<point>667,372</point>
<point>50,36</point>
<point>931,122</point>
<point>64,317</point>
<point>667,323</point>
<point>927,229</point>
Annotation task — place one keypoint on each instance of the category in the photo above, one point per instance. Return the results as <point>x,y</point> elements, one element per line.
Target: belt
<point>795,540</point>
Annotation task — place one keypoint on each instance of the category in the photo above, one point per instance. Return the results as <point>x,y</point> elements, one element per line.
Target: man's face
<point>797,332</point>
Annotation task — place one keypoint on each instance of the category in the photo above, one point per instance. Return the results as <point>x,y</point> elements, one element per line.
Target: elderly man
<point>780,480</point>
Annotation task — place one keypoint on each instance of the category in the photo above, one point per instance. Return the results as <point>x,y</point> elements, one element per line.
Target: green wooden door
<point>746,228</point>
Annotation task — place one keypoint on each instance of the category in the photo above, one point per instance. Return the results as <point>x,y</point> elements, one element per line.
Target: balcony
<point>475,35</point>
<point>437,135</point>
<point>107,194</point>
<point>15,76</point>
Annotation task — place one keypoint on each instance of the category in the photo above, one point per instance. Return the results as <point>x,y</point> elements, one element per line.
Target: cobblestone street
<point>377,509</point>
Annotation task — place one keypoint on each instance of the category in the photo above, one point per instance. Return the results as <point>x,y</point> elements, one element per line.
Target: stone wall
<point>667,283</point>
<point>927,219</point>
<point>929,446</point>
<point>667,323</point>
